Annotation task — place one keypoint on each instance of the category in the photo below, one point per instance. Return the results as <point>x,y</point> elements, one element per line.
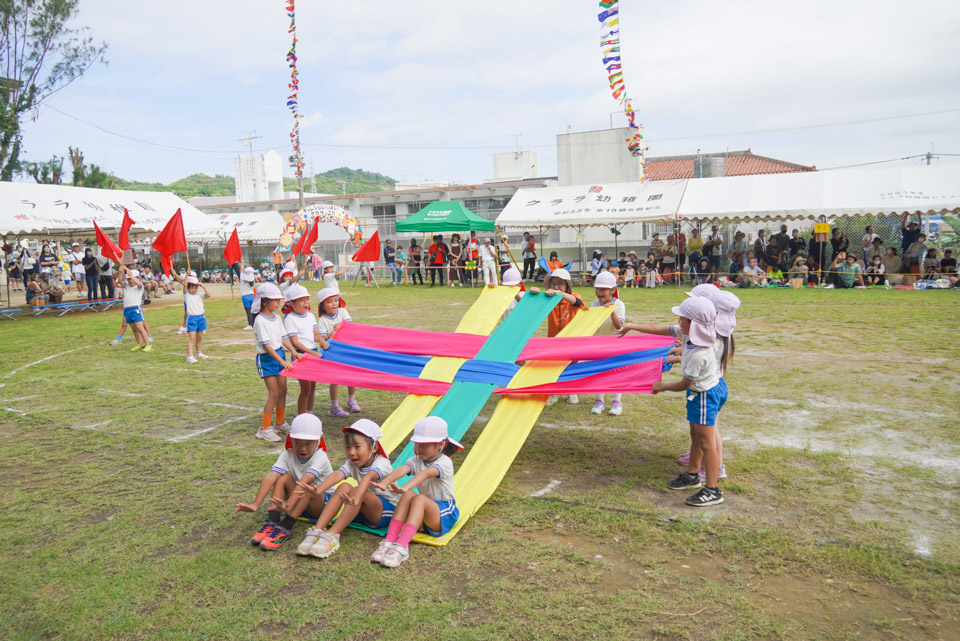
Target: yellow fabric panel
<point>508,428</point>
<point>481,318</point>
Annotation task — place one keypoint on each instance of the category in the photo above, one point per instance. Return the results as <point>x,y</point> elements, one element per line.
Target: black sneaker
<point>685,481</point>
<point>705,497</point>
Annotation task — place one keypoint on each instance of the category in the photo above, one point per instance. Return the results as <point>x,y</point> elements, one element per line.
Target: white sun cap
<point>192,280</point>
<point>703,316</point>
<point>512,277</point>
<point>369,429</point>
<point>297,291</point>
<point>432,429</point>
<point>562,274</point>
<point>307,427</point>
<point>248,275</point>
<point>727,304</point>
<point>327,292</point>
<point>706,290</point>
<point>268,291</point>
<point>326,264</point>
<point>605,280</point>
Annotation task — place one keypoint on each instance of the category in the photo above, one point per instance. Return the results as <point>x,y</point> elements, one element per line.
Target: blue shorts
<point>449,515</point>
<point>703,407</point>
<point>196,323</point>
<point>388,509</point>
<point>268,366</point>
<point>247,300</point>
<point>133,315</point>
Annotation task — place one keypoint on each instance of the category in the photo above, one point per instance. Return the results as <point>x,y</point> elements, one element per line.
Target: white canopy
<point>850,192</point>
<point>589,205</point>
<point>255,226</point>
<point>28,208</point>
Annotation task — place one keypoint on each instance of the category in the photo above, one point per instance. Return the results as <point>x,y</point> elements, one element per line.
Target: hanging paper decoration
<point>610,45</point>
<point>294,86</point>
<point>325,214</point>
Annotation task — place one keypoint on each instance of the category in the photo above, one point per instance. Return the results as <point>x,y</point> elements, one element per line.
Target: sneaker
<point>573,399</point>
<point>182,330</point>
<point>115,341</point>
<point>684,459</point>
<point>274,539</point>
<point>248,327</point>
<point>148,348</point>
<point>552,399</point>
<point>136,348</point>
<point>825,287</point>
<point>283,427</point>
<point>202,355</point>
<point>685,481</point>
<point>326,545</point>
<point>191,359</point>
<point>269,435</point>
<point>381,550</point>
<point>262,533</point>
<point>616,408</point>
<point>352,406</point>
<point>597,407</point>
<point>721,473</point>
<point>304,548</point>
<point>395,556</point>
<point>336,410</point>
<point>705,497</point>
<point>150,338</point>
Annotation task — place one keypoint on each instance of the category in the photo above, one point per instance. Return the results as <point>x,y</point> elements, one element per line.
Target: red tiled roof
<point>736,163</point>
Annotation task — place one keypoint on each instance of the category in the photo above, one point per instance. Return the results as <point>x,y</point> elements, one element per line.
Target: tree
<point>49,172</point>
<point>41,55</point>
<point>76,159</point>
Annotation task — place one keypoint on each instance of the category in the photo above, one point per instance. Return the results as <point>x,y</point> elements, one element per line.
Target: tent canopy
<point>593,205</point>
<point>252,226</point>
<point>28,208</point>
<point>444,215</point>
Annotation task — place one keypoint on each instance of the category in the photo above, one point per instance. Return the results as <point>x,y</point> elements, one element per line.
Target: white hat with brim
<point>605,280</point>
<point>432,429</point>
<point>702,316</point>
<point>297,291</point>
<point>326,264</point>
<point>248,275</point>
<point>306,427</point>
<point>193,280</point>
<point>369,429</point>
<point>512,277</point>
<point>268,291</point>
<point>562,274</point>
<point>727,304</point>
<point>705,290</point>
<point>134,273</point>
<point>287,271</point>
<point>327,292</point>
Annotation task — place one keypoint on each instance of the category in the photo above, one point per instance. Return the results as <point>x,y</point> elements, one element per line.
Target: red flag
<point>370,251</point>
<point>232,253</point>
<point>166,263</point>
<point>172,239</point>
<point>107,247</point>
<point>124,240</point>
<point>311,239</point>
<point>299,245</point>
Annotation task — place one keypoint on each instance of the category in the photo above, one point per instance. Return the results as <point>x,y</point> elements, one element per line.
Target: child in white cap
<point>364,504</point>
<point>271,339</point>
<point>302,465</point>
<point>132,311</point>
<point>331,274</point>
<point>248,276</point>
<point>559,283</point>
<point>434,509</point>
<point>706,393</point>
<point>301,327</point>
<point>604,286</point>
<point>290,275</point>
<point>182,279</point>
<point>512,278</point>
<point>331,316</point>
<point>196,321</point>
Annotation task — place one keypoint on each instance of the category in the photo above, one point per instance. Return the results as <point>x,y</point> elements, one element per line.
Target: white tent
<point>589,205</point>
<point>28,208</point>
<point>851,192</point>
<point>257,227</point>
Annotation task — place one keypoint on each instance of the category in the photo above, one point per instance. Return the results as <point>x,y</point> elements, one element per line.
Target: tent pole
<point>509,253</point>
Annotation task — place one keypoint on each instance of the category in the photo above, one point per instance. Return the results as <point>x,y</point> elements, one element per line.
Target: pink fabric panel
<point>415,342</point>
<point>590,348</point>
<point>315,369</point>
<point>630,379</point>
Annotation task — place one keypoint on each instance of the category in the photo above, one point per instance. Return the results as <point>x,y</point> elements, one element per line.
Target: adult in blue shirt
<point>390,258</point>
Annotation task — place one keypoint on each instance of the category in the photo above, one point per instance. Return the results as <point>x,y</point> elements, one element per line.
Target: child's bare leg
<point>719,442</point>
<point>707,444</point>
<point>403,506</point>
<point>191,341</point>
<point>273,393</point>
<point>332,507</point>
<point>199,340</point>
<point>370,505</point>
<point>423,511</point>
<point>303,400</point>
<point>281,391</point>
<point>311,396</point>
<point>696,454</point>
<point>334,394</point>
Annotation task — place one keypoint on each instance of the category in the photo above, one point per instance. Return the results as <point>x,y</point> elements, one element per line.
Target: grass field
<point>120,472</point>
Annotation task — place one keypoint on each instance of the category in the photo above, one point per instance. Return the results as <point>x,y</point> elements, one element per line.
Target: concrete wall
<point>592,157</point>
<point>516,165</point>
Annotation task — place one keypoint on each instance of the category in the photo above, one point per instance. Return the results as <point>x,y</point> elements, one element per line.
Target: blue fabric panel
<point>375,359</point>
<point>589,368</point>
<point>486,372</point>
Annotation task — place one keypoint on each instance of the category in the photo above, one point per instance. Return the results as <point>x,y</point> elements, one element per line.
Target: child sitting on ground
<point>434,509</point>
<point>302,465</point>
<point>604,287</point>
<point>366,504</point>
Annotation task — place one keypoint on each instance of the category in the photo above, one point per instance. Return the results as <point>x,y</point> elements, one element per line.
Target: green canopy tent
<point>444,215</point>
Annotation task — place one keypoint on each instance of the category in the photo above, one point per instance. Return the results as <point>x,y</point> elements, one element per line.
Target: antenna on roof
<point>248,141</point>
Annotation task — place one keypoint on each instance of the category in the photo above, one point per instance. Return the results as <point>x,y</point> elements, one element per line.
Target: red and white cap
<point>287,272</point>
<point>432,429</point>
<point>702,316</point>
<point>512,277</point>
<point>369,429</point>
<point>267,290</point>
<point>306,427</point>
<point>605,280</point>
<point>727,304</point>
<point>706,290</point>
<point>193,280</point>
<point>297,291</point>
<point>327,292</point>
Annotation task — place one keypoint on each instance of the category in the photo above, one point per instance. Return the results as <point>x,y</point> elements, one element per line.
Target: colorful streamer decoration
<point>325,214</point>
<point>610,46</point>
<point>294,86</point>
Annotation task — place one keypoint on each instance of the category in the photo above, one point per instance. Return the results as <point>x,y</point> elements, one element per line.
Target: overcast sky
<point>430,90</point>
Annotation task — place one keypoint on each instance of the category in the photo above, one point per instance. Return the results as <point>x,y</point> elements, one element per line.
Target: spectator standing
<point>75,258</point>
<point>48,258</point>
<point>817,249</point>
<point>695,246</point>
<point>782,240</point>
<point>529,249</point>
<point>414,256</point>
<point>599,263</point>
<point>488,262</point>
<point>390,259</point>
<point>668,258</point>
<point>868,237</point>
<point>656,246</point>
<point>105,266</point>
<point>738,250</point>
<point>437,257</point>
<point>680,243</point>
<point>839,243</point>
<point>913,256</point>
<point>908,233</point>
<point>456,260</point>
<point>14,273</point>
<point>712,247</point>
<point>761,244</point>
<point>91,273</point>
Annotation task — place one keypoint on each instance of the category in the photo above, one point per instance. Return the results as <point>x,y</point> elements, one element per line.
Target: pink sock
<point>406,535</point>
<point>393,530</point>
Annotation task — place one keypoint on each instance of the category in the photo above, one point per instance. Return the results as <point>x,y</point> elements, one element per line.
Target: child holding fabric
<point>301,327</point>
<point>329,320</point>
<point>272,341</point>
<point>604,287</point>
<point>559,283</point>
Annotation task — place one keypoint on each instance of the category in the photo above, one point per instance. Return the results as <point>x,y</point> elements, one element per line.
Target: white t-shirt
<point>381,465</point>
<point>246,289</point>
<point>132,296</point>
<point>302,327</point>
<point>487,253</point>
<point>752,271</point>
<point>697,364</point>
<point>268,331</point>
<point>713,250</point>
<point>78,267</point>
<point>619,309</point>
<point>513,303</point>
<point>194,302</point>
<point>326,323</point>
<point>329,280</point>
<point>438,488</point>
<point>290,463</point>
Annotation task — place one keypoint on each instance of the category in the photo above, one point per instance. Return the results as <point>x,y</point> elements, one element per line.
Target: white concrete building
<point>258,177</point>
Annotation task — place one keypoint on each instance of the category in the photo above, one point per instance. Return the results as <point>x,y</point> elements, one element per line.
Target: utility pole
<point>248,141</point>
<point>313,179</point>
<point>343,185</point>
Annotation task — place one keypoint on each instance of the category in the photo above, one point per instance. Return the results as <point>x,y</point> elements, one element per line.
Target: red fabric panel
<point>415,342</point>
<point>232,253</point>
<point>312,369</point>
<point>171,239</point>
<point>589,348</point>
<point>630,379</point>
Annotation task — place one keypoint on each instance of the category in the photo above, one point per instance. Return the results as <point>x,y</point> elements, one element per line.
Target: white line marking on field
<point>92,428</point>
<point>22,398</point>
<point>15,411</point>
<point>181,400</point>
<point>69,351</point>
<point>195,371</point>
<point>586,428</point>
<point>181,439</point>
<point>546,490</point>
